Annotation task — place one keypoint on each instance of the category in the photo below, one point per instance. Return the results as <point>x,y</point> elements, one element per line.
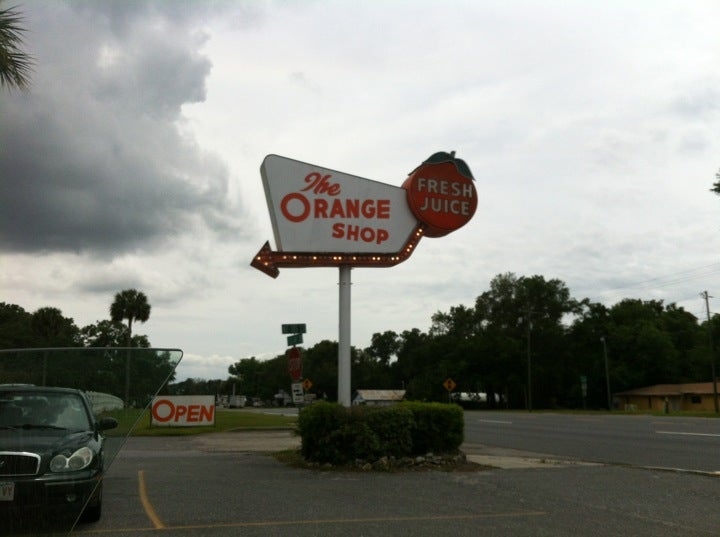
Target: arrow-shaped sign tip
<point>264,262</point>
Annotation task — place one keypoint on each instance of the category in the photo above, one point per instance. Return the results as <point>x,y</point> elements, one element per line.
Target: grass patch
<point>291,457</point>
<point>591,412</point>
<point>225,420</point>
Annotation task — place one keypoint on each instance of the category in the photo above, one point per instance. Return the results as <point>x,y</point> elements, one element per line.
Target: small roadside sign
<point>297,393</point>
<point>449,384</point>
<point>307,384</point>
<point>295,339</point>
<point>294,328</point>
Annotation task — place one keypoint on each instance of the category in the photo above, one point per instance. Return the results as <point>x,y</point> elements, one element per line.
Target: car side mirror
<point>106,423</point>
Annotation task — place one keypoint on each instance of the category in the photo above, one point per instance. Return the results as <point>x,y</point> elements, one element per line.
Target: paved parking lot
<point>228,485</point>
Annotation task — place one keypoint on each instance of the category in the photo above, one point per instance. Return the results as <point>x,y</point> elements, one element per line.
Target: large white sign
<point>183,410</point>
<point>315,209</point>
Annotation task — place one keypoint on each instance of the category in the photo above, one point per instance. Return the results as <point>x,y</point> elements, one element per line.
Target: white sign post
<point>344,392</point>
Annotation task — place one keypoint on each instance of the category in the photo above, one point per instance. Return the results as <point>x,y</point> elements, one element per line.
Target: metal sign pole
<point>344,336</point>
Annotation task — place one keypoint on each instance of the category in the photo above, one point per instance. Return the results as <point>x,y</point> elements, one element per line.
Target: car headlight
<point>77,461</point>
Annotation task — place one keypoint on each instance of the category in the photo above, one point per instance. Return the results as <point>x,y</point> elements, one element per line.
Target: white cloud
<point>134,160</point>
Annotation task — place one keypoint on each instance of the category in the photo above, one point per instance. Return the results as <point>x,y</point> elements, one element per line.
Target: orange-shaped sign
<point>441,194</point>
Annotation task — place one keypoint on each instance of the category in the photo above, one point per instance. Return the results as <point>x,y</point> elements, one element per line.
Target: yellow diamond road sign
<point>449,384</point>
<point>307,384</point>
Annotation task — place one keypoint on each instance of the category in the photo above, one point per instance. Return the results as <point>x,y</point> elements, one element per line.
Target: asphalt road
<point>663,442</point>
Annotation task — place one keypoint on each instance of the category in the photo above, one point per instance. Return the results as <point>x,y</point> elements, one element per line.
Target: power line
<point>650,282</point>
<point>668,280</point>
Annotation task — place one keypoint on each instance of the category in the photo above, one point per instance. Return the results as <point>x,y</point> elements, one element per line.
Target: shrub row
<point>333,433</point>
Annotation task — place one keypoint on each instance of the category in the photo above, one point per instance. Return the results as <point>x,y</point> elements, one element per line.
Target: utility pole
<point>707,298</point>
<point>528,328</point>
<point>607,374</point>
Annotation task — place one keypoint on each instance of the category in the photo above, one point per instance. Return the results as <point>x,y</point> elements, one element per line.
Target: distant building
<point>378,397</point>
<point>473,397</point>
<point>691,396</point>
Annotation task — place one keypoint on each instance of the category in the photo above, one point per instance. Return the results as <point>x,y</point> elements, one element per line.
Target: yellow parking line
<point>149,509</point>
<point>323,522</point>
<point>370,520</point>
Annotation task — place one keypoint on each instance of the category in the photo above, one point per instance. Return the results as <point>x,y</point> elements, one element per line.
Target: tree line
<point>524,343</point>
<point>111,371</point>
<point>48,327</point>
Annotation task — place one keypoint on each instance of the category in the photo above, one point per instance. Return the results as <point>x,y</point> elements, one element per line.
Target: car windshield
<point>43,410</point>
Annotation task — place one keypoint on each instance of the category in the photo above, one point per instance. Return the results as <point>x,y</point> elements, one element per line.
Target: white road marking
<point>503,422</point>
<point>688,434</point>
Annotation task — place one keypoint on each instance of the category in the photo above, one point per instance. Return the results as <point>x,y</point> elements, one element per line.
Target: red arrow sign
<point>269,261</point>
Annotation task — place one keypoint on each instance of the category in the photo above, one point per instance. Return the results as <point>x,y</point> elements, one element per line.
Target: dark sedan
<point>51,453</point>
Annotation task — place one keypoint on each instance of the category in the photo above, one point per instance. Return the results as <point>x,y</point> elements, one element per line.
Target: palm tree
<point>52,329</point>
<point>132,305</point>
<point>15,64</point>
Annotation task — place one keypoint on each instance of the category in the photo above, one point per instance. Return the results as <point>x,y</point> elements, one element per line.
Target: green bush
<point>338,435</point>
<point>315,425</point>
<point>392,425</point>
<point>439,427</point>
<point>353,440</point>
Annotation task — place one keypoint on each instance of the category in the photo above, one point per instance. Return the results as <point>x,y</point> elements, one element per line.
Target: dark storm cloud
<point>93,158</point>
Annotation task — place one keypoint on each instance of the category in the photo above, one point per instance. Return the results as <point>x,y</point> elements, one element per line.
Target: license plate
<point>7,491</point>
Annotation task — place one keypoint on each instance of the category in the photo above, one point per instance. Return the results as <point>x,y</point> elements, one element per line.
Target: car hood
<point>43,441</point>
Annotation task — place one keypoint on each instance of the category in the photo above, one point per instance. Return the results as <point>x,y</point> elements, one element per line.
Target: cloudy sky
<point>133,161</point>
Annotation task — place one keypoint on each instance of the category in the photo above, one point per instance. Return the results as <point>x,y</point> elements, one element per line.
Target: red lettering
<point>338,231</point>
<point>297,208</point>
<point>352,208</point>
<point>367,234</point>
<point>180,411</point>
<point>354,233</point>
<point>165,410</point>
<point>321,206</point>
<point>207,413</point>
<point>157,405</point>
<point>286,211</point>
<point>368,208</point>
<point>383,209</point>
<point>337,209</point>
<point>320,184</point>
<point>193,412</point>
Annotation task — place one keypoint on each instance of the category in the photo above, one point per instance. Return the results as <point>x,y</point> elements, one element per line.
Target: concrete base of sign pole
<point>344,336</point>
